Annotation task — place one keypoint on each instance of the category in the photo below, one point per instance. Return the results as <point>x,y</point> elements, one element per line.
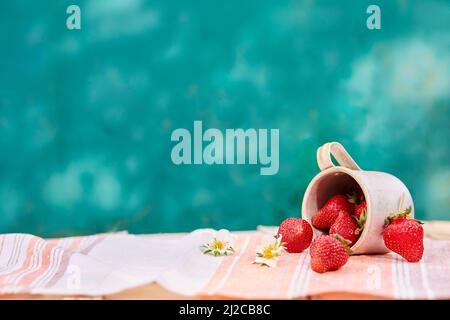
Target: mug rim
<point>354,176</point>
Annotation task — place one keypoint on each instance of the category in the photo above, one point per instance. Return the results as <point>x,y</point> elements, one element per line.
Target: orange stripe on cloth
<point>30,254</point>
<point>54,259</point>
<point>384,276</point>
<point>262,278</point>
<point>219,275</point>
<point>44,266</point>
<point>285,279</point>
<point>44,274</point>
<point>360,275</point>
<point>245,279</point>
<point>378,275</point>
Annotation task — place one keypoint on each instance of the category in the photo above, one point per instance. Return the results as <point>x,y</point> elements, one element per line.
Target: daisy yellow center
<point>217,245</point>
<point>269,252</point>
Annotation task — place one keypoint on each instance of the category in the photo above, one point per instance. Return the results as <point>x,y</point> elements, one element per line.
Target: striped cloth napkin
<point>109,263</point>
<point>93,265</point>
<point>384,276</point>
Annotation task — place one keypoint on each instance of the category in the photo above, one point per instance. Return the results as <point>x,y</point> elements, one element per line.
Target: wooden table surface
<point>438,230</point>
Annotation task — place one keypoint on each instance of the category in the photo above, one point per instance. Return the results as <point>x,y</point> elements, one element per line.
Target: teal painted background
<point>86,116</point>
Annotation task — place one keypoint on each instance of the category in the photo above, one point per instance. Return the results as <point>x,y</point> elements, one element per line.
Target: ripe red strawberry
<point>296,233</point>
<point>326,215</point>
<point>404,236</point>
<point>328,253</point>
<point>346,226</point>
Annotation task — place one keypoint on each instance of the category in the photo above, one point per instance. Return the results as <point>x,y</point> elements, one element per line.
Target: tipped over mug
<point>383,192</point>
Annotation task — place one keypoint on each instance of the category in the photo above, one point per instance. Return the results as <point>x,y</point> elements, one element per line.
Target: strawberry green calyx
<point>400,214</point>
<point>361,221</point>
<point>352,198</point>
<point>345,242</point>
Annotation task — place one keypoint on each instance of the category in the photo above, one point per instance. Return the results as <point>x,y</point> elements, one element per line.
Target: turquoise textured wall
<point>86,115</point>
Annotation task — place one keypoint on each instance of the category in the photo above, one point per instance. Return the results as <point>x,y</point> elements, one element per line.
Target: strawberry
<point>326,215</point>
<point>296,233</point>
<point>328,253</point>
<point>404,236</point>
<point>346,226</point>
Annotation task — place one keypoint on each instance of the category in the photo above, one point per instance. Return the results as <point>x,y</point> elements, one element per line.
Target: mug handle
<point>340,154</point>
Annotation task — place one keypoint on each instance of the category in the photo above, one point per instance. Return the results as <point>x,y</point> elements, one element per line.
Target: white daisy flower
<point>268,253</point>
<point>218,243</point>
